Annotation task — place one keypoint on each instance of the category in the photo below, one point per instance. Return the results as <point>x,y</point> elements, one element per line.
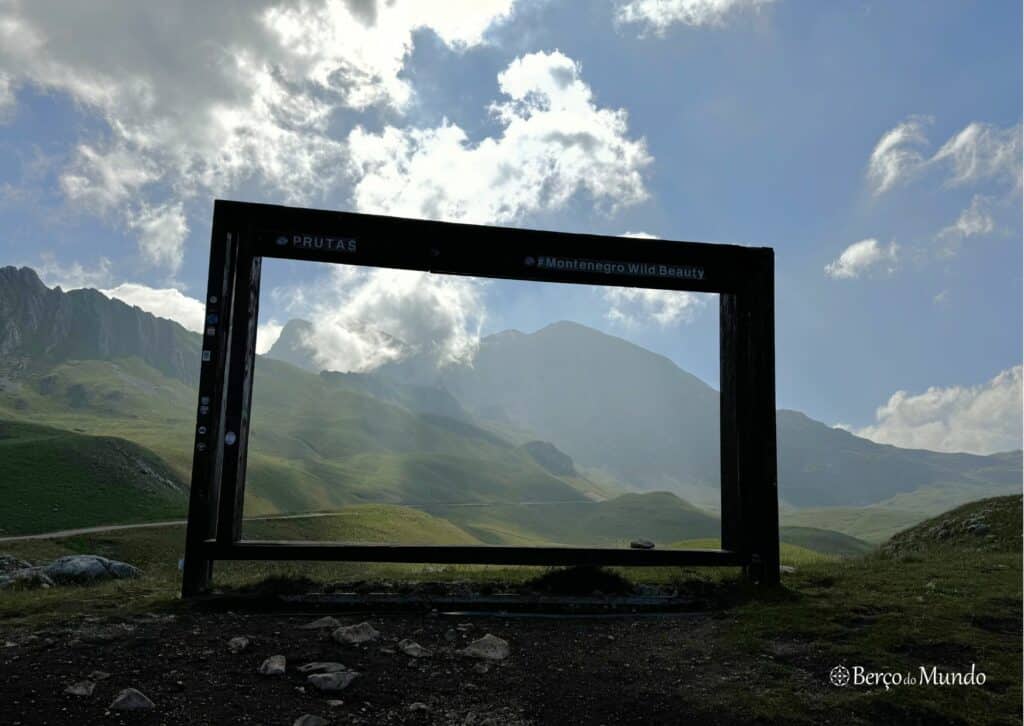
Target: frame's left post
<point>207,452</point>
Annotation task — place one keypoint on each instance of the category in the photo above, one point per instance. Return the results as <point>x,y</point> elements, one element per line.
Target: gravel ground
<point>558,671</point>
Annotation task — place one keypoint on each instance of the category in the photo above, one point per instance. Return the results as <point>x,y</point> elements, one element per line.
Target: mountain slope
<point>318,442</point>
<point>39,326</point>
<point>618,413</point>
<point>52,479</point>
<point>615,406</point>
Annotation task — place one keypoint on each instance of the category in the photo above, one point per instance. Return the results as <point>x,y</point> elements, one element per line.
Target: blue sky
<point>875,145</point>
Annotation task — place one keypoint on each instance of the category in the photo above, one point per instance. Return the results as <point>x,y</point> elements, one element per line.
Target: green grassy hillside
<point>315,445</point>
<point>658,516</point>
<point>363,523</point>
<point>989,525</point>
<point>870,524</point>
<point>789,554</point>
<point>52,479</point>
<point>824,540</point>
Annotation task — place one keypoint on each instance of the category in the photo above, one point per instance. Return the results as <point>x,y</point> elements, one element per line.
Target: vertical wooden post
<point>763,458</point>
<point>206,462</point>
<point>244,315</point>
<point>729,372</point>
<point>749,480</point>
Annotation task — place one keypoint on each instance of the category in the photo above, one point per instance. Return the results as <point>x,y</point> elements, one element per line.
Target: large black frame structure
<point>243,234</point>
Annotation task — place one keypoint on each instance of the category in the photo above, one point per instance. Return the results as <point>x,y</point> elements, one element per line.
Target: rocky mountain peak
<point>42,326</point>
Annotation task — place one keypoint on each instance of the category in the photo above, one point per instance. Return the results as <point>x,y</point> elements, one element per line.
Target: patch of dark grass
<point>580,581</point>
<point>937,652</point>
<point>994,624</point>
<point>274,586</point>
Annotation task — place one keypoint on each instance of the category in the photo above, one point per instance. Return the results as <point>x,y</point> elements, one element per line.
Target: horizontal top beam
<point>486,251</point>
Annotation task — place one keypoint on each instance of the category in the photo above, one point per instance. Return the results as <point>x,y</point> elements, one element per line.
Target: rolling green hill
<point>824,540</point>
<point>989,525</point>
<point>52,479</point>
<point>661,517</point>
<point>789,554</point>
<point>363,523</point>
<point>870,524</point>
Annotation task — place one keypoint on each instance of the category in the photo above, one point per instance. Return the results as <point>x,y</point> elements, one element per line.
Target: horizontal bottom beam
<point>468,554</point>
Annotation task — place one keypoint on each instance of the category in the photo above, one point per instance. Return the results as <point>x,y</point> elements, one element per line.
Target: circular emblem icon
<point>529,262</point>
<point>839,676</point>
<point>282,241</point>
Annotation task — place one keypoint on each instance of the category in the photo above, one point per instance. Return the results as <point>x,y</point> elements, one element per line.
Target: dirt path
<point>58,534</point>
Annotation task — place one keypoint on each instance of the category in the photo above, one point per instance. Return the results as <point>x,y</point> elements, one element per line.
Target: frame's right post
<point>760,458</point>
<point>750,505</point>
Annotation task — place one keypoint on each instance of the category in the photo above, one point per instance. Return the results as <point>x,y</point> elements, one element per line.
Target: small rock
<point>489,647</point>
<point>131,700</point>
<point>321,624</point>
<point>30,579</point>
<point>481,668</point>
<point>413,649</point>
<point>106,633</point>
<point>322,668</point>
<point>355,634</point>
<point>99,676</point>
<point>642,544</point>
<point>88,568</point>
<point>238,644</point>
<point>418,706</point>
<point>786,569</point>
<point>82,688</point>
<point>10,563</point>
<point>332,681</point>
<point>335,703</point>
<point>274,666</point>
<point>450,635</point>
<point>308,719</point>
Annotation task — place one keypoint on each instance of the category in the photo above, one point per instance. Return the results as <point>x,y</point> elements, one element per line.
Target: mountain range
<point>565,434</point>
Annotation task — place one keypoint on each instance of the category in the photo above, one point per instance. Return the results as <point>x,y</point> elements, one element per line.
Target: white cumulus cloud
<point>979,152</point>
<point>72,275</point>
<point>974,221</point>
<point>162,302</point>
<point>630,306</point>
<point>267,334</point>
<point>897,154</point>
<point>863,257</point>
<point>982,152</point>
<point>362,319</point>
<point>658,16</point>
<point>200,97</point>
<point>555,142</point>
<point>7,98</point>
<point>980,419</point>
<point>161,232</point>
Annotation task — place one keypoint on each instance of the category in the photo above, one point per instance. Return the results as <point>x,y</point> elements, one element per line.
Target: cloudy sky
<point>875,145</point>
